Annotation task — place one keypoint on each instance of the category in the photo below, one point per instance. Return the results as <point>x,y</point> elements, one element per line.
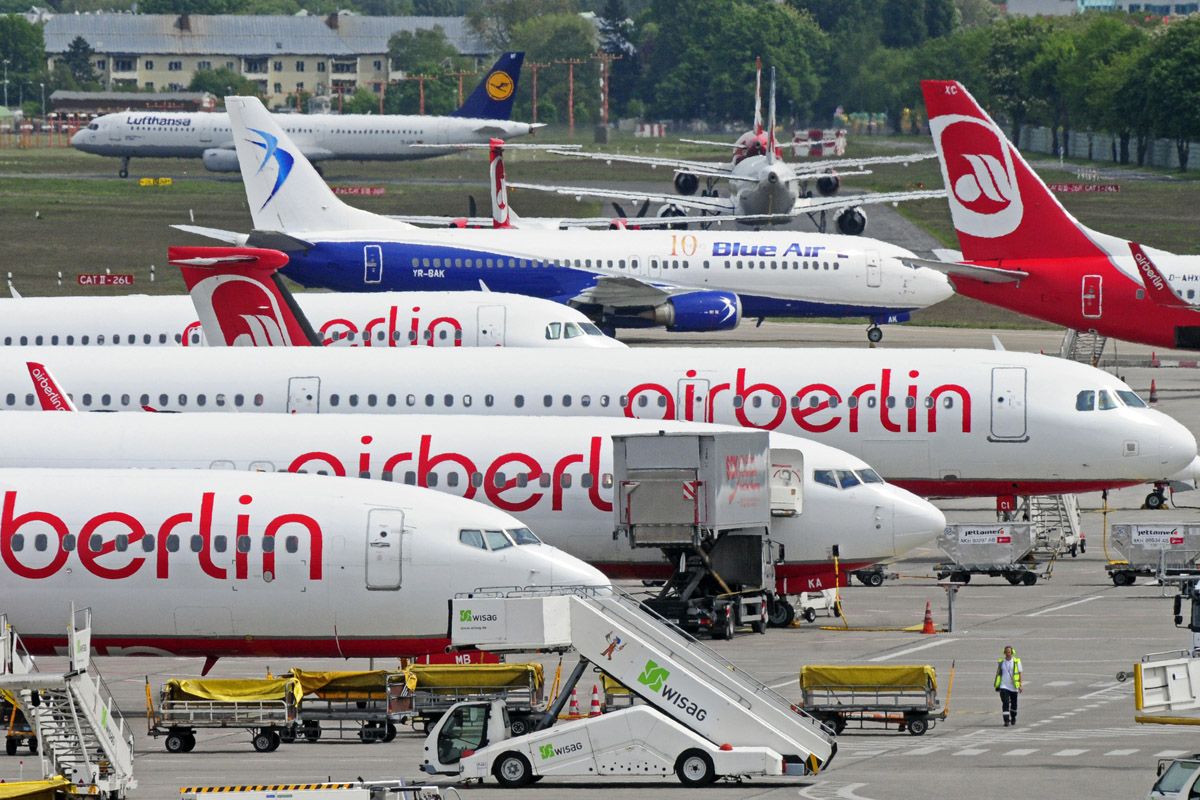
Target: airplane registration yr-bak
<point>208,563</point>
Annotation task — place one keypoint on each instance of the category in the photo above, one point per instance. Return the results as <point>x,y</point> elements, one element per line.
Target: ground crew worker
<point>1008,684</point>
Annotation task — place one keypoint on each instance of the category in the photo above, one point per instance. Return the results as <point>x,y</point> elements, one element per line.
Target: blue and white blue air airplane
<point>701,281</point>
<point>320,137</point>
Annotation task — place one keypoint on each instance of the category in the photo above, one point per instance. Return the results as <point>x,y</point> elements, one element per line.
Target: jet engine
<point>686,183</point>
<point>700,311</point>
<point>668,211</point>
<point>828,185</point>
<point>220,159</point>
<point>852,221</point>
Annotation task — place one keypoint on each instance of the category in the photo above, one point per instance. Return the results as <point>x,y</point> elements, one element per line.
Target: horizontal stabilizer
<point>275,240</point>
<point>972,271</point>
<point>229,237</point>
<point>1156,283</point>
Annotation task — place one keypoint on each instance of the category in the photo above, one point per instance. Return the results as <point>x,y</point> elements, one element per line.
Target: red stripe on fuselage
<point>1000,488</point>
<point>248,646</point>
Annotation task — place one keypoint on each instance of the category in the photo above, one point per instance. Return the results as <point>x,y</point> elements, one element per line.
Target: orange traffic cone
<point>1153,359</point>
<point>573,709</point>
<point>595,710</point>
<point>927,626</point>
<point>1153,391</point>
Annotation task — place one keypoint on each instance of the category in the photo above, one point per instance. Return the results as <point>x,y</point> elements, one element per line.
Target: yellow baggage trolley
<point>901,696</point>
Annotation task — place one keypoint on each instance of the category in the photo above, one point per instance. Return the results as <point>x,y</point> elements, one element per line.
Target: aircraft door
<point>116,131</point>
<point>304,395</point>
<point>691,401</point>
<point>385,535</point>
<point>1008,404</point>
<point>491,326</point>
<point>874,270</point>
<point>1092,296</point>
<point>372,263</point>
<point>206,134</point>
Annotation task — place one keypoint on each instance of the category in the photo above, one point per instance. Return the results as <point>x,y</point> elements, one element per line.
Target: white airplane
<point>686,281</point>
<point>207,563</point>
<point>763,189</point>
<point>385,319</point>
<point>321,137</point>
<point>555,474</point>
<point>941,423</point>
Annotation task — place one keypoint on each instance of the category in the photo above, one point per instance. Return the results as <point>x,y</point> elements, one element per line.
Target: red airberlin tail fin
<point>46,388</point>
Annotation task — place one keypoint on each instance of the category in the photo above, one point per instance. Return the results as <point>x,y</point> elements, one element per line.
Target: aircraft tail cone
<point>595,710</point>
<point>927,625</point>
<point>1153,391</point>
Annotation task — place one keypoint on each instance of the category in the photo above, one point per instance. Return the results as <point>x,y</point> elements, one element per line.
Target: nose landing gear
<point>124,171</point>
<point>874,334</point>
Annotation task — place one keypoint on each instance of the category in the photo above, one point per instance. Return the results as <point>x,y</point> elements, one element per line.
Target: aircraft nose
<point>553,567</point>
<point>80,137</point>
<point>915,522</point>
<point>1176,445</point>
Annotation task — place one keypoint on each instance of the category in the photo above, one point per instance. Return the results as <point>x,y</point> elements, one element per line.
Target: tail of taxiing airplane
<point>771,144</point>
<point>1000,207</point>
<point>50,395</point>
<point>283,189</point>
<point>240,299</point>
<point>493,97</point>
<point>758,122</point>
<point>502,215</point>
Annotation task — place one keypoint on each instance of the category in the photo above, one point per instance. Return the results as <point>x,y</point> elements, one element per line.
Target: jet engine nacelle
<point>686,183</point>
<point>671,210</point>
<point>220,159</point>
<point>852,221</point>
<point>828,185</point>
<point>700,311</point>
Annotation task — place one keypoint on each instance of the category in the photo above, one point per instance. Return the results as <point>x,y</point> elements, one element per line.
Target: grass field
<point>66,212</point>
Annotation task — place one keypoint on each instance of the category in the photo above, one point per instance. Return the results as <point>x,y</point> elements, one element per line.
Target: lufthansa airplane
<point>320,137</point>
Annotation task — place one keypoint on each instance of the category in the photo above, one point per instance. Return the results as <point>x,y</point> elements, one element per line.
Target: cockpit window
<point>1085,400</point>
<point>554,330</point>
<point>848,478</point>
<point>590,329</point>
<point>869,476</point>
<point>826,477</point>
<point>1131,399</point>
<point>94,127</point>
<point>497,540</point>
<point>1105,400</point>
<point>523,536</point>
<point>571,330</point>
<point>472,539</point>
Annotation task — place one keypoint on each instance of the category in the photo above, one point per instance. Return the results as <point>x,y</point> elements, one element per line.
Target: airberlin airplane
<point>555,474</point>
<point>1023,251</point>
<point>387,319</point>
<point>204,563</point>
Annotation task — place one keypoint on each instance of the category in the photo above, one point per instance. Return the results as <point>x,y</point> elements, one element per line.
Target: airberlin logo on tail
<point>247,314</point>
<point>271,151</point>
<point>977,165</point>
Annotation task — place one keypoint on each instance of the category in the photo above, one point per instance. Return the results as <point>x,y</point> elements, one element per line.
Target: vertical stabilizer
<point>493,97</point>
<point>758,121</point>
<point>771,143</point>
<point>502,215</point>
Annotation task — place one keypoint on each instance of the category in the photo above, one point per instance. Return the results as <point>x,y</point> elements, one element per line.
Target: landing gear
<point>874,334</point>
<point>124,171</point>
<point>1156,499</point>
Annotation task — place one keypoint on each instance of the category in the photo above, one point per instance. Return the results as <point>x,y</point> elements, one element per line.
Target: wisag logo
<point>550,751</point>
<point>466,615</point>
<point>655,678</point>
<point>653,675</point>
<point>271,151</point>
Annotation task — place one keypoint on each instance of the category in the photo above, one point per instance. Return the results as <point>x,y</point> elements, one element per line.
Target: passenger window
<point>429,400</point>
<point>1085,400</point>
<point>148,543</point>
<point>68,542</point>
<point>825,477</point>
<point>472,539</point>
<point>40,542</point>
<point>268,544</point>
<point>519,401</point>
<point>448,400</point>
<point>220,543</point>
<point>243,544</point>
<point>197,543</point>
<point>291,544</point>
<point>18,541</point>
<point>172,544</point>
<point>431,480</point>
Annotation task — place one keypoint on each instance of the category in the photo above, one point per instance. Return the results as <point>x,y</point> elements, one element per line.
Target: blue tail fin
<point>493,97</point>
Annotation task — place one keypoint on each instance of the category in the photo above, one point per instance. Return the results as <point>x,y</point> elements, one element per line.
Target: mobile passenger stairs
<point>699,716</point>
<point>81,733</point>
<point>705,500</point>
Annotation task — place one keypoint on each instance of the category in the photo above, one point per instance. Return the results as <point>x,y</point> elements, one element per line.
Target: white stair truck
<point>702,717</point>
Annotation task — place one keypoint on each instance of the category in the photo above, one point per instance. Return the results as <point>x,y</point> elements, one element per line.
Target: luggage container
<point>422,693</point>
<point>264,706</point>
<point>904,697</point>
<point>345,705</point>
<point>1001,550</point>
<point>1158,550</point>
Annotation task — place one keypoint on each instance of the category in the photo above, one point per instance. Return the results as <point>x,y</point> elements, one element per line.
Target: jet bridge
<point>668,669</point>
<point>705,500</point>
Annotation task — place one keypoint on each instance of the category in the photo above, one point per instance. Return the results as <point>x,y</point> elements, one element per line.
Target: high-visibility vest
<point>1016,671</point>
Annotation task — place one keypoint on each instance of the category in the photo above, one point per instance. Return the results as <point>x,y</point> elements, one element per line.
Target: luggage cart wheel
<point>917,726</point>
<point>189,742</point>
<point>10,746</point>
<point>262,741</point>
<point>1029,579</point>
<point>175,743</point>
<point>810,615</point>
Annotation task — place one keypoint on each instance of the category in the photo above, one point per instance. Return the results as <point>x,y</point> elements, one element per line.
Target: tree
<point>495,20</point>
<point>363,101</point>
<point>78,59</point>
<point>189,6</point>
<point>222,82</point>
<point>941,18</point>
<point>1013,46</point>
<point>22,45</point>
<point>617,34</point>
<point>976,13</point>
<point>1089,85</point>
<point>559,37</point>
<point>1174,106</point>
<point>903,23</point>
<point>423,50</point>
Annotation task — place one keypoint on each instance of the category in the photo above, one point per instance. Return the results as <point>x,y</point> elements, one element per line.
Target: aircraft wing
<point>975,272</point>
<point>806,204</point>
<point>715,169</point>
<point>804,168</point>
<point>624,292</point>
<point>712,205</point>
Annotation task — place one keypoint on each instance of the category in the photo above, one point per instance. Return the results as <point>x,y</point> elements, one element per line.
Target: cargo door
<point>1092,295</point>
<point>372,263</point>
<point>874,270</point>
<point>304,395</point>
<point>385,533</point>
<point>1008,404</point>
<point>691,401</point>
<point>491,321</point>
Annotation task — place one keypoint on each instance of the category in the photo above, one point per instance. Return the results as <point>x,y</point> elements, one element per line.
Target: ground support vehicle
<point>825,601</point>
<point>900,696</point>
<point>1003,550</point>
<point>1178,779</point>
<point>264,706</point>
<point>699,716</point>
<point>422,693</point>
<point>1161,550</point>
<point>344,705</point>
<point>18,732</point>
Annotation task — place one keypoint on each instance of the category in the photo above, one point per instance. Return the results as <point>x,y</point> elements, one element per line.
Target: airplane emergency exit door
<point>1008,404</point>
<point>1092,292</point>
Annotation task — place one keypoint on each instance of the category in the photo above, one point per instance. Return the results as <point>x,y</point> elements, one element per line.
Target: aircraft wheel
<point>1155,501</point>
<point>874,579</point>
<point>512,771</point>
<point>695,768</point>
<point>874,334</point>
<point>781,613</point>
<point>124,173</point>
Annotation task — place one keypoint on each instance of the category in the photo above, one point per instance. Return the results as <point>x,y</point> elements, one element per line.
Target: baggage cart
<point>17,730</point>
<point>1003,550</point>
<point>344,705</point>
<point>825,600</point>
<point>264,706</point>
<point>423,692</point>
<point>901,696</point>
<point>1160,550</point>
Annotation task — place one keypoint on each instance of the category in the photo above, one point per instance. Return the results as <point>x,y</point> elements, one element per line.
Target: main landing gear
<point>124,171</point>
<point>874,334</point>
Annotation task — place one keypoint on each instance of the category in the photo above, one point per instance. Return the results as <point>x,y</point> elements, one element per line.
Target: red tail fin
<point>51,397</point>
<point>240,299</point>
<point>1000,207</point>
<point>501,215</point>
